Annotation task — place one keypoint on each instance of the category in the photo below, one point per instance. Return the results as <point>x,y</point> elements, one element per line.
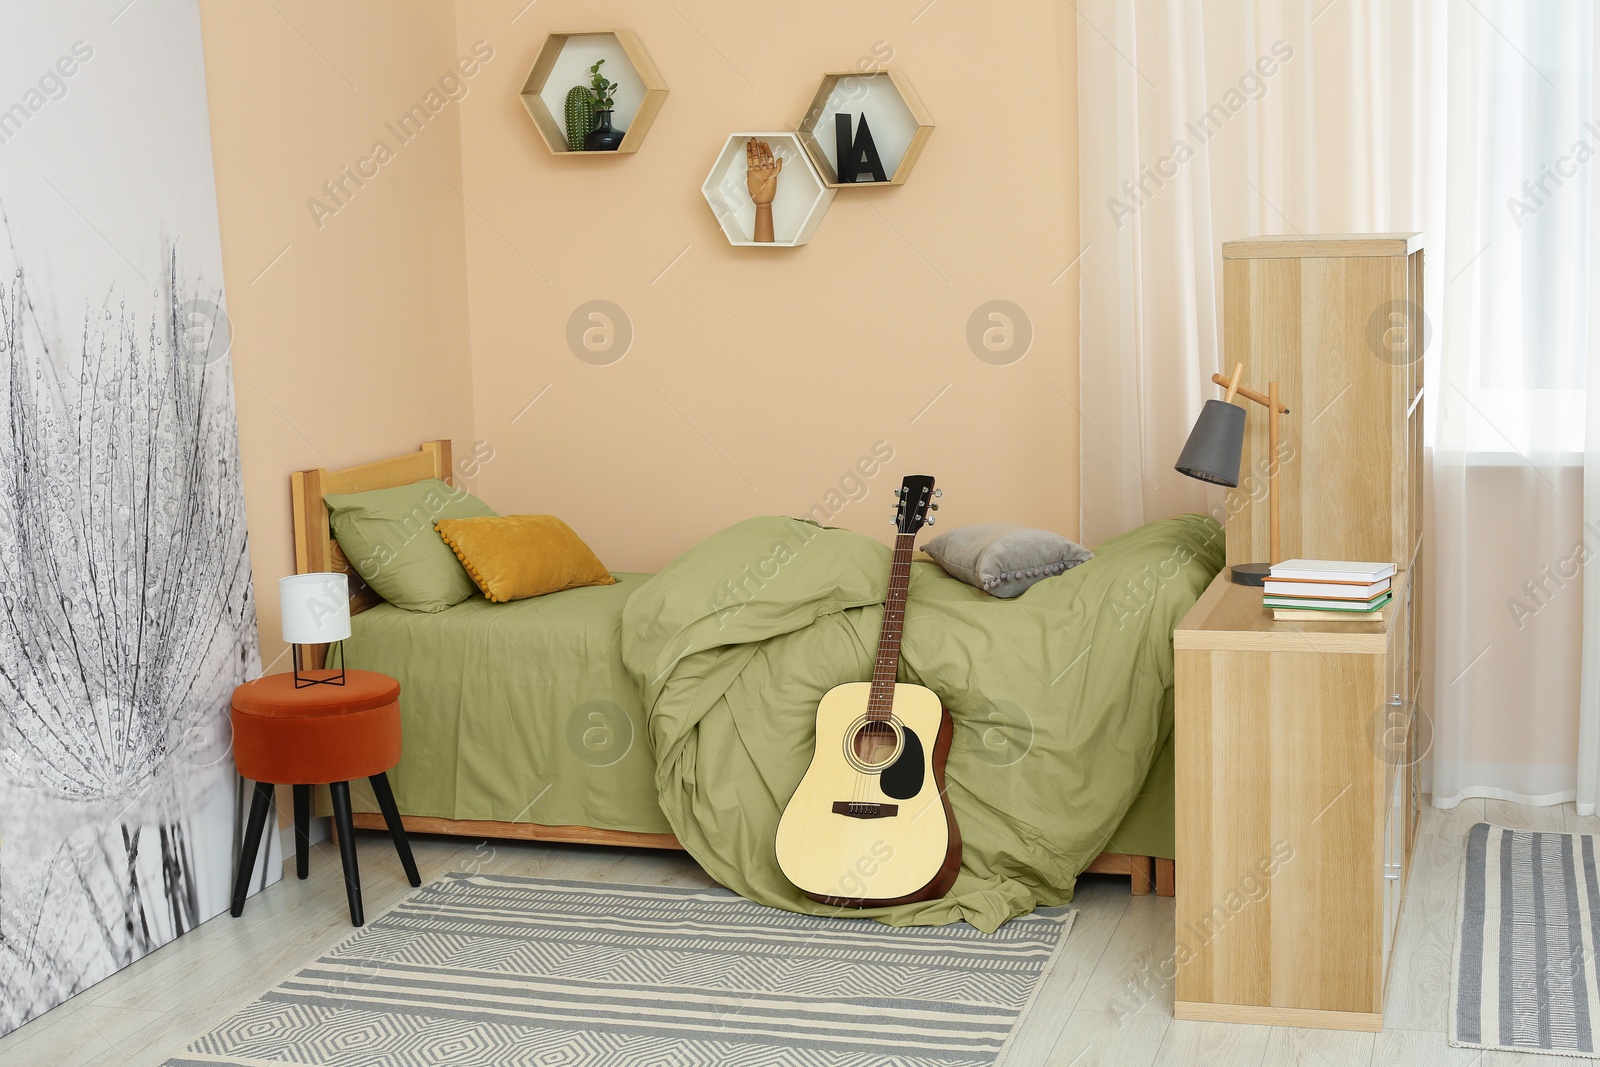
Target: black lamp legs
<point>302,678</point>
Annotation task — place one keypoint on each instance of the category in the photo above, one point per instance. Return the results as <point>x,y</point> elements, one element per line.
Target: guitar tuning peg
<point>938,492</point>
<point>933,507</point>
<point>930,520</point>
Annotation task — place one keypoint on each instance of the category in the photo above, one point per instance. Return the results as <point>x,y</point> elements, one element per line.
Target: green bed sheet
<point>516,712</point>
<point>1148,829</point>
<point>683,702</point>
<point>1062,698</point>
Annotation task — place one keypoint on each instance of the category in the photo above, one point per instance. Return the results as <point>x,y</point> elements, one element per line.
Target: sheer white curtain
<point>1477,122</point>
<point>1200,123</point>
<point>1507,401</point>
<point>1587,299</point>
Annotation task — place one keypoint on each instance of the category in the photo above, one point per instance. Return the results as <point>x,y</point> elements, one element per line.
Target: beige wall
<point>353,344</point>
<point>759,377</point>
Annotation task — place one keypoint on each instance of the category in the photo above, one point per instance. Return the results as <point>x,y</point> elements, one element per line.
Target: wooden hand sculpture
<point>762,170</point>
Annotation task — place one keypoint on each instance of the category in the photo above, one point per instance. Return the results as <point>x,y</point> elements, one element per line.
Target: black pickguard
<point>902,779</point>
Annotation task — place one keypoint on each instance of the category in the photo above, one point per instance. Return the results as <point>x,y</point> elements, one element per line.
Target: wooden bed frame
<point>316,550</point>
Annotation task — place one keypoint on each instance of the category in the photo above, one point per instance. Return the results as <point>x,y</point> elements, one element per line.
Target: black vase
<point>603,138</point>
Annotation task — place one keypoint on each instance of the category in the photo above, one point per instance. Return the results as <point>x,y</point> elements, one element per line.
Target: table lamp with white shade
<point>315,609</point>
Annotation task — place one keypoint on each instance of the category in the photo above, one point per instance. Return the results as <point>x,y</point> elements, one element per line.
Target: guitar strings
<point>868,783</point>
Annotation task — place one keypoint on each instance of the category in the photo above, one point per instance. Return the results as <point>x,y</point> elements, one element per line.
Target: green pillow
<point>388,537</point>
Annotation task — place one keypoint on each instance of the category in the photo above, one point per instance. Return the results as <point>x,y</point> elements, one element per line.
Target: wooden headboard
<point>314,546</point>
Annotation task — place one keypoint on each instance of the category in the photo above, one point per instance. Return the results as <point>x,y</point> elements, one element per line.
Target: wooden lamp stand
<point>1256,573</point>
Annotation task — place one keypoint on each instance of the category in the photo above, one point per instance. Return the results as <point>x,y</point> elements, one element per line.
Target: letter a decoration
<point>858,156</point>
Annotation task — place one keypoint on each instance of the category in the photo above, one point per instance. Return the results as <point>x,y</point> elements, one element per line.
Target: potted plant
<point>603,137</point>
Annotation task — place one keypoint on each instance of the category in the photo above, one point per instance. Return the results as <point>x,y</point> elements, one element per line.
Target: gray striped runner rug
<point>1525,961</point>
<point>497,970</point>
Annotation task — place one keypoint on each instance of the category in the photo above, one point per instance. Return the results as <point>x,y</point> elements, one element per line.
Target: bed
<point>522,720</point>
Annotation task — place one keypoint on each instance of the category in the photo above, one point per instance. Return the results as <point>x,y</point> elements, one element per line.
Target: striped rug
<point>494,970</point>
<point>1525,961</point>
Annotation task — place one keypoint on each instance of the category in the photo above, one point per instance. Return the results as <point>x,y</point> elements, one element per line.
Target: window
<point>1522,155</point>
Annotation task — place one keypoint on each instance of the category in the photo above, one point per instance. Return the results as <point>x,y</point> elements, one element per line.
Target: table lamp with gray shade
<point>315,609</point>
<point>1213,452</point>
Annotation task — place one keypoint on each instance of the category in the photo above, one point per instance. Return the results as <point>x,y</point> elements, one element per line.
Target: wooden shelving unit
<point>899,122</point>
<point>564,62</point>
<point>797,210</point>
<point>1336,320</point>
<point>1296,812</point>
<point>1297,744</point>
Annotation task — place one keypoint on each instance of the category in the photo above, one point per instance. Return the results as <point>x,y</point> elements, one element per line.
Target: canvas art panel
<point>126,611</point>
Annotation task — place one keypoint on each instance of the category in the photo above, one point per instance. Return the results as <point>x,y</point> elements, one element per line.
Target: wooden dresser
<point>1296,743</point>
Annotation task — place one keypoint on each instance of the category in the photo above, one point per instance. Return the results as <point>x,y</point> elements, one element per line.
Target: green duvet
<point>1062,698</point>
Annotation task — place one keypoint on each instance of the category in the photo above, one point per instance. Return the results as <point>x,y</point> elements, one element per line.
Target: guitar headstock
<point>915,507</point>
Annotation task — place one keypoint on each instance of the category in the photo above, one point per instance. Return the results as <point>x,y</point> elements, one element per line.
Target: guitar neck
<point>880,701</point>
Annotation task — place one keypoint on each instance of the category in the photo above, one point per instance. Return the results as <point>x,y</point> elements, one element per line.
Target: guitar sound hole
<point>875,743</point>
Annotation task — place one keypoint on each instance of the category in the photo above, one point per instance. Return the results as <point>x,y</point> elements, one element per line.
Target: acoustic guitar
<point>869,825</point>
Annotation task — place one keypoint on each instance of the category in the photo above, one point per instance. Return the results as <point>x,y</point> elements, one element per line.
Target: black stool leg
<point>347,848</point>
<point>260,805</point>
<point>302,830</point>
<point>397,829</point>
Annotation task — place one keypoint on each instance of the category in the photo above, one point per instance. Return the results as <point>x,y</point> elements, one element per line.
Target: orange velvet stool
<point>322,734</point>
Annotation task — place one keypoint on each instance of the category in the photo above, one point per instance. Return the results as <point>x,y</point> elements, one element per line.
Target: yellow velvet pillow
<point>516,556</point>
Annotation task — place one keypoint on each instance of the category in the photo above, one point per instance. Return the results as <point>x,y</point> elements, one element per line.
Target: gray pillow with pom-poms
<point>1002,558</point>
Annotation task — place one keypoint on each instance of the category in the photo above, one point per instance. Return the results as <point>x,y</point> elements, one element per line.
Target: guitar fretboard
<point>880,700</point>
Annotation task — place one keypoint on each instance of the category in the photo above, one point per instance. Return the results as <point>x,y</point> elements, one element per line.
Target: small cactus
<point>580,116</point>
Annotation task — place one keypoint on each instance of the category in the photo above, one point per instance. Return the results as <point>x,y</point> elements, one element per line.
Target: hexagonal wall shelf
<point>797,209</point>
<point>564,61</point>
<point>900,124</point>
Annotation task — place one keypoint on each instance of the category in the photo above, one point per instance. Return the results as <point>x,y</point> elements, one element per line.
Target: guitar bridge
<point>865,809</point>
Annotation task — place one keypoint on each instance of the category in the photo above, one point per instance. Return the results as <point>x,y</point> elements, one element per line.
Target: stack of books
<point>1322,590</point>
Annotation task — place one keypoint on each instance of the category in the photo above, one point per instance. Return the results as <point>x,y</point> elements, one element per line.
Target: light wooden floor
<point>1086,1013</point>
